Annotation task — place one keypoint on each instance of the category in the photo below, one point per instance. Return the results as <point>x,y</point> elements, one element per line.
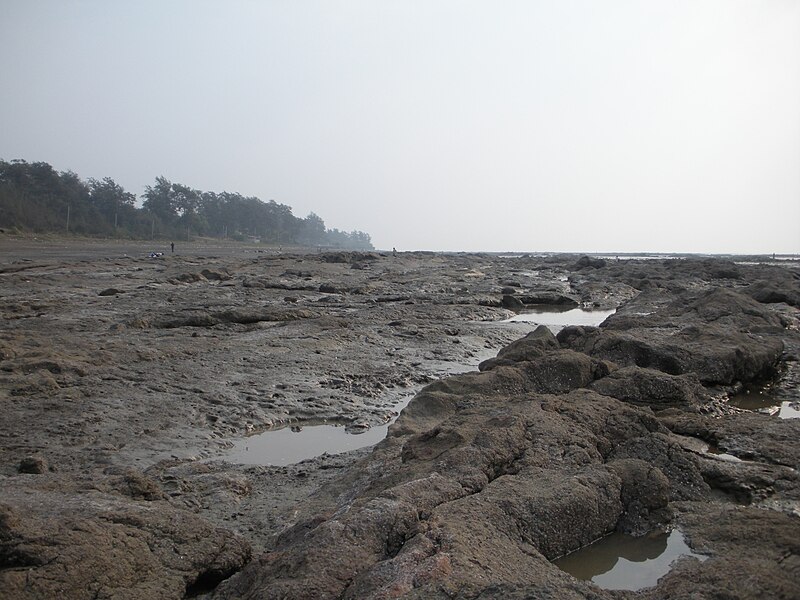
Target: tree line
<point>35,197</point>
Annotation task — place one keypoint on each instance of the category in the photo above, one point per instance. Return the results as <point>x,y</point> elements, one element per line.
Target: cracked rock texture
<point>124,380</point>
<point>488,476</point>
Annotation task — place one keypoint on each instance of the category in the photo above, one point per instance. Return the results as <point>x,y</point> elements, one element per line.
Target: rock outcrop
<point>488,476</point>
<point>62,540</point>
<point>117,412</point>
<point>719,336</point>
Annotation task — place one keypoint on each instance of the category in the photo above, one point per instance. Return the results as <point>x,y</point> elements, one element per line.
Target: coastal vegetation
<point>35,197</point>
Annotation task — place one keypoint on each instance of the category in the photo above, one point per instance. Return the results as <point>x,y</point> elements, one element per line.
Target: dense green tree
<point>158,201</point>
<point>110,200</point>
<point>36,197</point>
<point>312,230</point>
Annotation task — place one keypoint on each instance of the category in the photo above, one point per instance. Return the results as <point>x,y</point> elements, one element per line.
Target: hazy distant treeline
<point>36,197</point>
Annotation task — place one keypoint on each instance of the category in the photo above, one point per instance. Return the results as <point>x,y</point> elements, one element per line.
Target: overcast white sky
<point>574,125</point>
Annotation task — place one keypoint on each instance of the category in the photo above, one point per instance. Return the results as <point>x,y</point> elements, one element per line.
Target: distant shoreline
<point>15,242</point>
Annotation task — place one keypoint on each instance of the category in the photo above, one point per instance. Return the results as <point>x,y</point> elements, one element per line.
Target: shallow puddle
<point>557,318</point>
<point>623,562</point>
<point>289,445</point>
<point>765,402</point>
<point>702,447</point>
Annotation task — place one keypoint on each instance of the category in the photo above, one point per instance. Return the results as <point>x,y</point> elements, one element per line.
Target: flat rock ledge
<point>487,477</point>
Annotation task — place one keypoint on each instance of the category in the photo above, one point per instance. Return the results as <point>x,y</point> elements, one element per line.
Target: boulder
<point>589,262</point>
<point>652,388</point>
<point>771,292</point>
<point>97,545</point>
<point>644,493</point>
<point>512,302</point>
<point>721,336</point>
<point>110,292</point>
<point>537,343</point>
<point>216,275</point>
<point>549,299</point>
<point>34,465</point>
<point>187,278</point>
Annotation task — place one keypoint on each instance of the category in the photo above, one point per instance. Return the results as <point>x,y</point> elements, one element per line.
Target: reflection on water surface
<point>764,401</point>
<point>557,317</point>
<point>290,445</point>
<point>623,562</point>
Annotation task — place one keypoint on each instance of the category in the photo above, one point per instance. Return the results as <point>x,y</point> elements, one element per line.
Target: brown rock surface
<point>129,402</point>
<point>61,539</point>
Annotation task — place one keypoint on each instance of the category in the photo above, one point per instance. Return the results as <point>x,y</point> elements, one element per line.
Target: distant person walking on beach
<point>172,246</point>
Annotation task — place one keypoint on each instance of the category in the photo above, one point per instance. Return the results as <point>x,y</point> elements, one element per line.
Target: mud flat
<point>128,382</point>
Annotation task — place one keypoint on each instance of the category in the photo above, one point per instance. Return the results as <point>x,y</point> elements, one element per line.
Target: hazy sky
<point>578,125</point>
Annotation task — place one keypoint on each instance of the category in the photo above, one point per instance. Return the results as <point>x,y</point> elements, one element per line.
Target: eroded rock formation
<point>118,408</point>
<point>487,477</point>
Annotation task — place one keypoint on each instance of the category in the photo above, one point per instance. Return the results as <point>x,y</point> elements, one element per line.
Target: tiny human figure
<point>172,246</point>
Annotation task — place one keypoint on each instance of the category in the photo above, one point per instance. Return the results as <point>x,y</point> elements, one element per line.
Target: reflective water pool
<point>290,445</point>
<point>557,318</point>
<point>764,401</point>
<point>623,562</point>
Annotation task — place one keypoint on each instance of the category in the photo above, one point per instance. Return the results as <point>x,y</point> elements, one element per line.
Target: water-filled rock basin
<point>623,562</point>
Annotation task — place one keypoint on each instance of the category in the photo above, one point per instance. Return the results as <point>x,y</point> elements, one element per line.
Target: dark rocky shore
<point>124,380</point>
